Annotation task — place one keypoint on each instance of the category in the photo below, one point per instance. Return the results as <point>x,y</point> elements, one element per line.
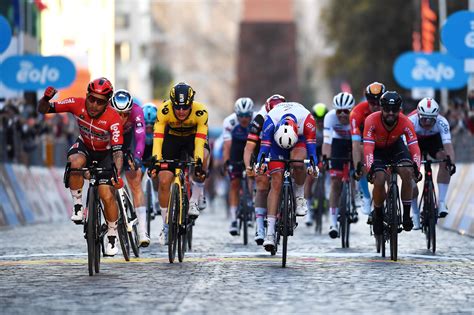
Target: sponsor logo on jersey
<point>67,101</point>
<point>115,132</point>
<point>102,122</point>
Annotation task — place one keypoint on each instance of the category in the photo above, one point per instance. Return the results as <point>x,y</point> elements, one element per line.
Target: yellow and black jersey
<point>194,124</point>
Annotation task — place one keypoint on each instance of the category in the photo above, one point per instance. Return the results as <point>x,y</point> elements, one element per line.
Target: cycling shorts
<point>340,149</point>
<point>431,145</point>
<point>396,153</point>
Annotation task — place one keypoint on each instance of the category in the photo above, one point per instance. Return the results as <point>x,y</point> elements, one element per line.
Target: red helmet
<point>101,86</point>
<point>273,101</point>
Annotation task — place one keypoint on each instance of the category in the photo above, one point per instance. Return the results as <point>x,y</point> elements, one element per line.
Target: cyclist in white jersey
<point>434,138</point>
<point>337,144</point>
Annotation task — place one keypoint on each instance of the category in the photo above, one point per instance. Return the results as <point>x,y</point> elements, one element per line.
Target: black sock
<point>378,211</point>
<point>406,209</point>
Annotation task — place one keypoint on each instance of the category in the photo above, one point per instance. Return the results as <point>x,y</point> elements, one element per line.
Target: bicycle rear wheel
<point>173,214</point>
<point>149,205</point>
<point>393,221</point>
<point>343,212</point>
<point>98,239</point>
<point>91,232</point>
<point>189,234</point>
<point>285,217</point>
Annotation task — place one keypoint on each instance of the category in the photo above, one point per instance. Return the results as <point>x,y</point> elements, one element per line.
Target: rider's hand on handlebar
<point>370,174</point>
<point>198,170</point>
<point>358,172</point>
<point>417,175</point>
<point>450,166</point>
<point>260,168</point>
<point>49,93</point>
<point>250,171</point>
<point>312,169</point>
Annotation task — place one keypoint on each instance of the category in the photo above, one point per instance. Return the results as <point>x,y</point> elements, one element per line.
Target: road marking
<point>328,258</point>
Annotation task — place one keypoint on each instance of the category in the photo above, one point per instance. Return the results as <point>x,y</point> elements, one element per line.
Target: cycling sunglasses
<point>246,115</point>
<point>393,109</point>
<point>342,111</point>
<point>99,101</point>
<point>181,107</point>
<point>427,120</point>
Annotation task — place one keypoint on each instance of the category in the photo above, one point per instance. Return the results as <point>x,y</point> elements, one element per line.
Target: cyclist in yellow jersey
<point>181,126</point>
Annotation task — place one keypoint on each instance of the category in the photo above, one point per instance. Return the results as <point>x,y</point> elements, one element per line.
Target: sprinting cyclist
<point>100,140</point>
<point>252,148</point>
<point>134,141</point>
<point>337,144</point>
<point>181,126</point>
<point>373,92</point>
<point>289,130</point>
<point>383,144</point>
<point>236,128</point>
<point>434,138</point>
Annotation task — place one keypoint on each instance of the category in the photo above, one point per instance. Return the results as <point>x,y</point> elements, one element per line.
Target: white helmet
<point>428,107</point>
<point>286,133</point>
<point>122,101</point>
<point>243,106</point>
<point>343,100</point>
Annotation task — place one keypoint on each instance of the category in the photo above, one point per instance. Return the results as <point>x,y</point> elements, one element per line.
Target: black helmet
<point>182,95</point>
<point>374,91</point>
<point>391,99</point>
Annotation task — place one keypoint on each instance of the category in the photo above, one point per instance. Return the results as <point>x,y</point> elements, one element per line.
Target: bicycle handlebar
<point>93,170</point>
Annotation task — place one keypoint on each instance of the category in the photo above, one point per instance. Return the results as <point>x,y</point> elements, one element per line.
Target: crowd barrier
<point>37,194</point>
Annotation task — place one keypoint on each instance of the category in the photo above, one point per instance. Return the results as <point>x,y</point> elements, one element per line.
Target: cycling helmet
<point>392,100</point>
<point>286,133</point>
<point>374,91</point>
<point>101,86</point>
<point>320,110</point>
<point>243,106</point>
<point>343,100</point>
<point>273,101</point>
<point>428,107</point>
<point>182,94</point>
<point>122,101</point>
<point>149,112</point>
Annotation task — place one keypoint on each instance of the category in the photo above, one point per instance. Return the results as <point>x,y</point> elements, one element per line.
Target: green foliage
<point>368,36</point>
<point>161,80</point>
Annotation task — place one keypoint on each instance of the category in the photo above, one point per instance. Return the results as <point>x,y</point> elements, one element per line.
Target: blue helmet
<point>149,111</point>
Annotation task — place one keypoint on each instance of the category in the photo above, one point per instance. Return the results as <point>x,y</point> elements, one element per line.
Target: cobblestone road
<point>43,269</point>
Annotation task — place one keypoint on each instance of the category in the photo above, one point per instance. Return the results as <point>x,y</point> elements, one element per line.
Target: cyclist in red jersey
<point>383,144</point>
<point>359,113</point>
<point>100,140</point>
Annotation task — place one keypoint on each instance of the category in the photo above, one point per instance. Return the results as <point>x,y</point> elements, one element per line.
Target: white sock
<point>233,213</point>
<point>197,190</point>
<point>141,216</point>
<point>299,190</point>
<point>260,214</point>
<point>164,213</point>
<point>271,225</point>
<point>112,228</point>
<point>443,190</point>
<point>334,212</point>
<point>76,196</point>
<point>414,207</point>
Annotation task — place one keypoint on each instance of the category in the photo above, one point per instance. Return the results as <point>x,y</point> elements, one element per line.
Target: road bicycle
<point>286,215</point>
<point>392,213</point>
<point>180,226</point>
<point>245,209</point>
<point>319,203</point>
<point>128,215</point>
<point>94,230</point>
<point>429,205</point>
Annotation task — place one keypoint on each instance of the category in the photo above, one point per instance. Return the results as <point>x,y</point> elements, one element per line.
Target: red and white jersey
<point>441,126</point>
<point>301,115</point>
<point>98,134</point>
<point>333,129</point>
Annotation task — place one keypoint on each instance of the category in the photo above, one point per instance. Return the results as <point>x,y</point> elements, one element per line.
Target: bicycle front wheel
<point>149,204</point>
<point>393,214</point>
<point>91,232</point>
<point>432,218</point>
<point>123,232</point>
<point>132,219</point>
<point>285,217</point>
<point>173,222</point>
<point>343,211</point>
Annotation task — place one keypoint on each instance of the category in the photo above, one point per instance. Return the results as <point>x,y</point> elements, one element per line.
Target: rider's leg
<point>336,186</point>
<point>233,203</point>
<point>107,195</point>
<point>443,184</point>
<point>263,184</point>
<point>273,199</point>
<point>134,179</point>
<point>299,174</point>
<point>414,207</point>
<point>379,194</point>
<point>406,174</point>
<point>76,182</point>
<point>165,179</point>
<point>197,186</point>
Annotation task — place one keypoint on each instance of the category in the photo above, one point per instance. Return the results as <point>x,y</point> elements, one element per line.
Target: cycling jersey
<point>441,127</point>
<point>97,134</point>
<point>333,129</point>
<point>356,119</point>
<point>195,124</point>
<point>136,123</point>
<point>302,117</point>
<point>378,137</point>
<point>234,132</point>
<point>256,125</point>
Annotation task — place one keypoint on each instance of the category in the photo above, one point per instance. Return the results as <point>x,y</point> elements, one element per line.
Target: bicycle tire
<point>133,235</point>
<point>149,205</point>
<point>98,240</point>
<point>182,230</point>
<point>189,235</point>
<point>343,215</point>
<point>91,232</point>
<point>432,219</point>
<point>393,213</point>
<point>321,199</point>
<point>173,213</point>
<point>123,233</point>
<point>285,215</point>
